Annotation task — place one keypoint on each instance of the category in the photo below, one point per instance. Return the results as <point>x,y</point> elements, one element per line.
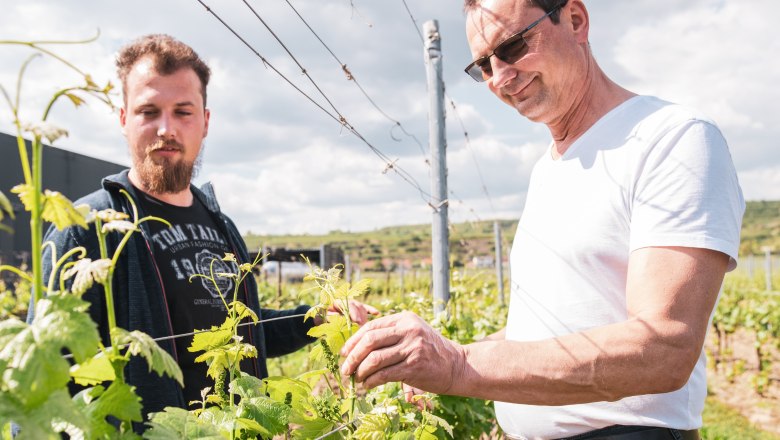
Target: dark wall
<point>72,174</point>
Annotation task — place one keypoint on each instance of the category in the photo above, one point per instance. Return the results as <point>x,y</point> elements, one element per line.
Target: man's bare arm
<point>671,293</point>
<point>497,336</point>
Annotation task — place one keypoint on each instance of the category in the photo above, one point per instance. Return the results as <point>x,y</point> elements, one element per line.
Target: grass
<point>721,422</point>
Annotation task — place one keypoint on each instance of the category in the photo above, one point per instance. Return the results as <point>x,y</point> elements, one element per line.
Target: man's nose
<point>165,129</point>
<point>503,72</point>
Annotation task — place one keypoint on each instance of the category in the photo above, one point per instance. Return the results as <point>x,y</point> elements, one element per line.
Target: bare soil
<point>738,390</point>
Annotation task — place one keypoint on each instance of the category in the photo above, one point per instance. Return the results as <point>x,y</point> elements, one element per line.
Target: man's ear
<point>123,119</point>
<point>580,21</point>
<point>206,116</point>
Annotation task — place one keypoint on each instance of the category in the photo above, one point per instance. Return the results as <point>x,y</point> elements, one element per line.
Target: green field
<point>722,422</point>
<point>761,227</point>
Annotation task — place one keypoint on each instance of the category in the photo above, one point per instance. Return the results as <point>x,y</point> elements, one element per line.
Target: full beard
<point>162,175</point>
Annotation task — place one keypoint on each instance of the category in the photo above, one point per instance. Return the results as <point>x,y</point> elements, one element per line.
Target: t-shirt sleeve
<point>687,194</point>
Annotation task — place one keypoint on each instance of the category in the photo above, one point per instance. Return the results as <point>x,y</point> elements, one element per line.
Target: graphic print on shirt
<point>193,244</point>
<point>192,249</point>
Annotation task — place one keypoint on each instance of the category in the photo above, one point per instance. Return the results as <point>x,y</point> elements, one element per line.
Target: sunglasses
<point>509,51</point>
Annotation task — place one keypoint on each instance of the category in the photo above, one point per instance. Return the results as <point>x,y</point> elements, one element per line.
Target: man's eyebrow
<point>184,103</point>
<point>145,105</point>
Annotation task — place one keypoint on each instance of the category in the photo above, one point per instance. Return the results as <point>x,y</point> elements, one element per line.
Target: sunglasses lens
<point>480,70</point>
<point>511,50</point>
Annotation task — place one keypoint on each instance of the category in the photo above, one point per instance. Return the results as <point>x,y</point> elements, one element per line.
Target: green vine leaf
<point>5,207</point>
<point>141,344</point>
<point>218,417</point>
<point>372,427</point>
<point>32,354</point>
<point>359,289</point>
<point>60,211</point>
<point>56,415</point>
<point>177,423</point>
<point>118,400</point>
<point>93,371</point>
<point>313,429</point>
<point>109,215</point>
<point>57,208</point>
<point>75,99</point>
<point>312,312</point>
<point>86,273</point>
<point>121,226</point>
<point>212,338</point>
<point>63,321</point>
<point>242,311</point>
<point>403,435</point>
<point>335,332</point>
<point>437,422</point>
<point>428,432</point>
<point>247,387</point>
<point>224,358</point>
<point>247,428</point>
<point>299,393</point>
<point>272,417</point>
<point>25,193</point>
<point>33,369</point>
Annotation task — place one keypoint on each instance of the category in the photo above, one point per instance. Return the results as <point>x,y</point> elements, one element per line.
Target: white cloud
<point>282,165</point>
<point>762,183</point>
<point>714,56</point>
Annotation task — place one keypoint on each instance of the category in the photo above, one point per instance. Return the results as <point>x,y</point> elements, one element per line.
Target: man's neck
<point>598,96</point>
<point>182,198</point>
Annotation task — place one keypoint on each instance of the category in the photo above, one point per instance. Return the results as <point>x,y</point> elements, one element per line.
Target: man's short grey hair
<point>546,5</point>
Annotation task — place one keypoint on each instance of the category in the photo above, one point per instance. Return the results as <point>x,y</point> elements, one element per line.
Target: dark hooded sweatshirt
<point>140,298</point>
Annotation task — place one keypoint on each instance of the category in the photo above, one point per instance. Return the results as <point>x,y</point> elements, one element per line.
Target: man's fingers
<point>377,360</point>
<point>383,322</point>
<point>359,312</point>
<point>411,392</point>
<point>416,397</point>
<point>391,373</point>
<point>364,341</point>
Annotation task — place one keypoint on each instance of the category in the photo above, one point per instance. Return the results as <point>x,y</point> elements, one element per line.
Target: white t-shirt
<point>648,173</point>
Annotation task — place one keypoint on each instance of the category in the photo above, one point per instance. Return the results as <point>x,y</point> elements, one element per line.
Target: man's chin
<point>162,161</point>
<point>163,178</point>
<point>528,108</point>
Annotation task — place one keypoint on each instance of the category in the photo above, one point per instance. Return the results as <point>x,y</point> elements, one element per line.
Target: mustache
<point>164,143</point>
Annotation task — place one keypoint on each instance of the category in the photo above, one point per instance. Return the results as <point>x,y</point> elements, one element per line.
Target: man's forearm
<point>604,364</point>
<point>497,336</point>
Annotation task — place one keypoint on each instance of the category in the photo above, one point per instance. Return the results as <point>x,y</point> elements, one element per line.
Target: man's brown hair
<point>168,54</point>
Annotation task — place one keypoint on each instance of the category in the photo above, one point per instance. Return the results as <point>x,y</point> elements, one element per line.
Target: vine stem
<point>36,214</point>
<point>351,393</point>
<point>21,274</point>
<point>108,285</point>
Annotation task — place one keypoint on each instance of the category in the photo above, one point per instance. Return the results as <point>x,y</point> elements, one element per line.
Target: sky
<point>280,164</point>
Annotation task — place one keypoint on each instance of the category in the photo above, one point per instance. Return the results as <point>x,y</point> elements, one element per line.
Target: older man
<point>632,218</point>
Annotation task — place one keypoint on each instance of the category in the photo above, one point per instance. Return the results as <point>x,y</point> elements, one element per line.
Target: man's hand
<point>358,312</point>
<point>403,348</point>
<point>416,397</point>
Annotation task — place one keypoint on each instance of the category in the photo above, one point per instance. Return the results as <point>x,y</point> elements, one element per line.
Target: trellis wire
<point>351,77</point>
<point>196,332</point>
<point>389,164</point>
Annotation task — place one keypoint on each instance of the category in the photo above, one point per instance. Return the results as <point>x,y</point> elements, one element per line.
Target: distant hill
<point>383,248</point>
<point>760,227</point>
